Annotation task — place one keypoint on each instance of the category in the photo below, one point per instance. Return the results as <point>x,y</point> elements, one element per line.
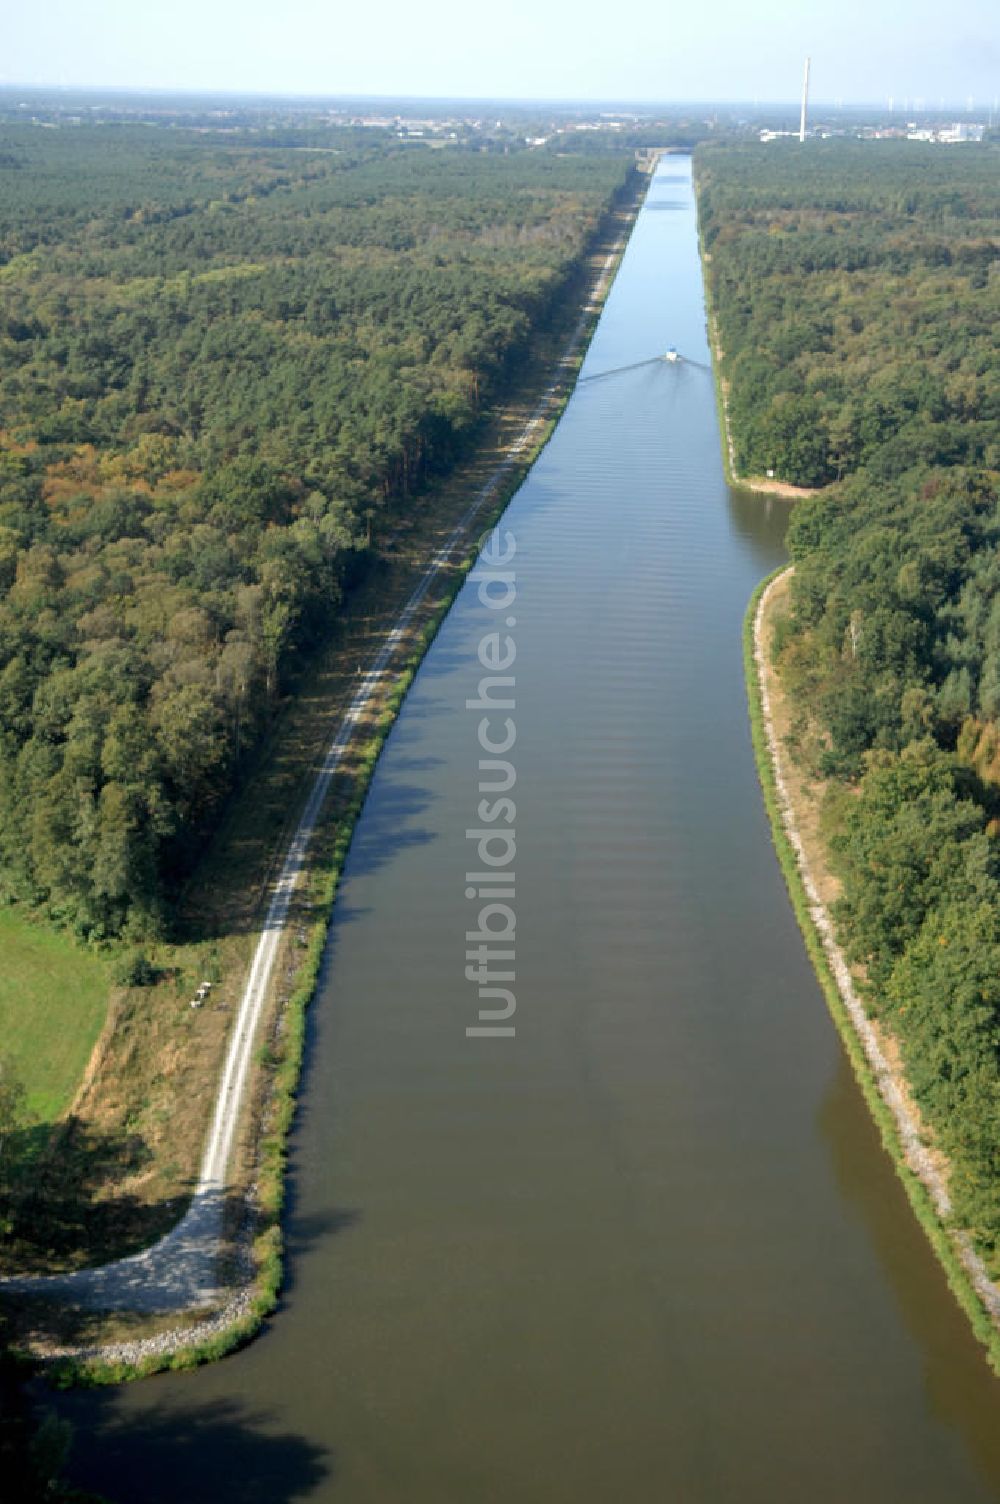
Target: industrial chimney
<point>805,101</point>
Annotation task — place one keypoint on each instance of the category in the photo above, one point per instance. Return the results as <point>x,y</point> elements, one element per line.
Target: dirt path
<point>181,1270</point>
<point>924,1163</point>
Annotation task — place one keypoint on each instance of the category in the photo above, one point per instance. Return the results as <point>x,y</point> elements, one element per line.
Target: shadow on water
<point>762,522</point>
<point>426,707</point>
<point>953,1362</point>
<point>402,763</point>
<point>385,834</point>
<point>303,1230</point>
<point>170,1448</point>
<point>218,1449</point>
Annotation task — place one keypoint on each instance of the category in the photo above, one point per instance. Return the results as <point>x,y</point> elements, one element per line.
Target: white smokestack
<point>805,101</point>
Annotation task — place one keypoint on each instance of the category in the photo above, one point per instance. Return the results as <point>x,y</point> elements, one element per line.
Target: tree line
<point>891,648</point>
<point>225,367</point>
<point>854,306</point>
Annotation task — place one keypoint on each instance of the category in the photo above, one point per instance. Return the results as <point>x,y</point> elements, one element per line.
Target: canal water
<point>648,1247</point>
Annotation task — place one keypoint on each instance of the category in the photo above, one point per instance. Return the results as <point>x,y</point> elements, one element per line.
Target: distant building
<point>961,132</point>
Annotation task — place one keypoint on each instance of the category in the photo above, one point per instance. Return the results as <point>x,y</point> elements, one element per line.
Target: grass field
<point>53,1002</point>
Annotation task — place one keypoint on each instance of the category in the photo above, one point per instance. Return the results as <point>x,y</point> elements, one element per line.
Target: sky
<point>863,51</point>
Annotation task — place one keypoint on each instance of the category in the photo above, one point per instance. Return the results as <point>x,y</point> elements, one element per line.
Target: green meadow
<point>53,1001</point>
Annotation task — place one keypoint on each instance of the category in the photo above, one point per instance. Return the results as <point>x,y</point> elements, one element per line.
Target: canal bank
<point>222,1262</point>
<point>873,1054</point>
<point>650,1248</point>
<point>762,485</point>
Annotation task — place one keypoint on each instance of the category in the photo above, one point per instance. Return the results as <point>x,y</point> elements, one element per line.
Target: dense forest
<point>854,306</point>
<point>856,288</point>
<point>225,367</point>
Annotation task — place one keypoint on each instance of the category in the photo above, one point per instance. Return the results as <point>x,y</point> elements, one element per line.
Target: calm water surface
<point>649,1249</point>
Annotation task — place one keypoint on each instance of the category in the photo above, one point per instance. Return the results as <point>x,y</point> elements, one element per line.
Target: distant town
<point>492,124</point>
<point>913,130</point>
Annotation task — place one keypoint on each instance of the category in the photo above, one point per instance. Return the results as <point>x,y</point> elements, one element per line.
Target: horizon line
<point>836,103</point>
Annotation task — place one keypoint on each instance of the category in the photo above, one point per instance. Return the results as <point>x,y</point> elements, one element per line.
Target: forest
<point>856,291</point>
<point>226,366</point>
<point>854,306</point>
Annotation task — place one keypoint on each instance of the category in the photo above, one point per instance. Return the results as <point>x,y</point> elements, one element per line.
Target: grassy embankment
<point>805,813</point>
<point>53,1002</point>
<point>168,1107</point>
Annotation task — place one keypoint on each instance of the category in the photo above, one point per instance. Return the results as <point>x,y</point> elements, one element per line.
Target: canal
<point>647,1247</point>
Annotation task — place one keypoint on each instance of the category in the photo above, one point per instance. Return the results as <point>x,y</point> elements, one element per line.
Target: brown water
<point>648,1249</point>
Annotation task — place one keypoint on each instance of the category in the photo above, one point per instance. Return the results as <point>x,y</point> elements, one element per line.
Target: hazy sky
<point>862,50</point>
